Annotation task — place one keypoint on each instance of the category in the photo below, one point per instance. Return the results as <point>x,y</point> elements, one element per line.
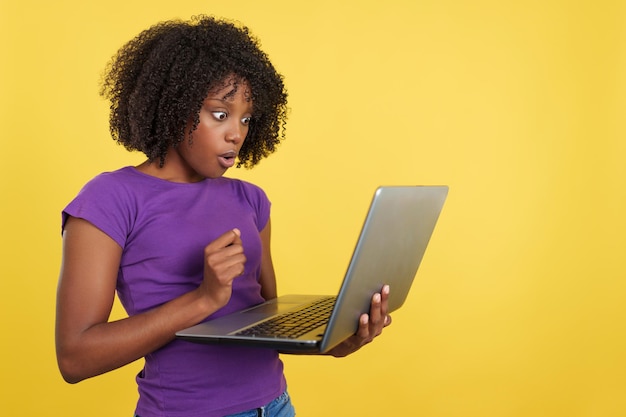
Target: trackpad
<point>272,308</point>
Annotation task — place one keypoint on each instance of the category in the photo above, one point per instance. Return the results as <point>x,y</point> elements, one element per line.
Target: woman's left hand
<point>370,325</point>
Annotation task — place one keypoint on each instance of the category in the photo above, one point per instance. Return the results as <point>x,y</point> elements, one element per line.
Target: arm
<point>87,343</point>
<point>268,276</point>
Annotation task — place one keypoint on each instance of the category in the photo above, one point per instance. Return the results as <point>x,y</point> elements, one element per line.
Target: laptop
<point>389,250</point>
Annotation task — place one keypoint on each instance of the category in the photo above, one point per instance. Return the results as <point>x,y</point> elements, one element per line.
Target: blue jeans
<point>280,407</point>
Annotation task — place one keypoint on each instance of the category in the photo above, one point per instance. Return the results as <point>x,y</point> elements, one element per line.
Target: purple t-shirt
<point>163,228</point>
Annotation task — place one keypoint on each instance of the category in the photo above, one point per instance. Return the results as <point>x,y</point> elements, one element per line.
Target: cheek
<point>203,145</point>
<point>205,133</point>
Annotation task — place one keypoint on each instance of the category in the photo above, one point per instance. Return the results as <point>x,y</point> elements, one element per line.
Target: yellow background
<point>518,106</point>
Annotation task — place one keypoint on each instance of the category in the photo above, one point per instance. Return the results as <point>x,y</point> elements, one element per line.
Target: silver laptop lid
<point>389,250</point>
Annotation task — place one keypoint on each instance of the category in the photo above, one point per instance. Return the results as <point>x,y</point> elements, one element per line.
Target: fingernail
<point>377,298</point>
<point>386,289</point>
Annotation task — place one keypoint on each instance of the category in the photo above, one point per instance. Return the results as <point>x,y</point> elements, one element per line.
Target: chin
<point>214,175</point>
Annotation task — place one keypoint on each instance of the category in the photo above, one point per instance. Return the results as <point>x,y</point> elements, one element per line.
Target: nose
<point>236,132</point>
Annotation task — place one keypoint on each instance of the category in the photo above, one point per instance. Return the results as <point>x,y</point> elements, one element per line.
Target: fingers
<point>225,257</point>
<point>379,307</point>
<point>384,306</point>
<point>232,237</point>
<point>372,324</point>
<point>224,261</point>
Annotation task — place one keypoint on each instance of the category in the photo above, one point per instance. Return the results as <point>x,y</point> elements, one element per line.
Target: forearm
<point>106,346</point>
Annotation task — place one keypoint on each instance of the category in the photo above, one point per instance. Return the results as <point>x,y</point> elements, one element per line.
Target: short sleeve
<point>105,203</point>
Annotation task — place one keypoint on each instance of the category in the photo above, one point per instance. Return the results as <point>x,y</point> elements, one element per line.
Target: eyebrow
<point>227,103</point>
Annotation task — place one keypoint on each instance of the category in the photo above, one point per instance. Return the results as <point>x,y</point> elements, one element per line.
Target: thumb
<point>232,237</point>
<point>237,237</point>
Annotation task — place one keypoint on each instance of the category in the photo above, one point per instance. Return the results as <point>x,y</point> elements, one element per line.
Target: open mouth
<point>227,159</point>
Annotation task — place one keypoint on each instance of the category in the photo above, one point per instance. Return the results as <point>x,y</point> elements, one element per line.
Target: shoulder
<point>252,196</point>
<point>251,192</point>
<point>108,182</point>
<point>114,180</point>
<point>125,186</point>
<point>247,187</point>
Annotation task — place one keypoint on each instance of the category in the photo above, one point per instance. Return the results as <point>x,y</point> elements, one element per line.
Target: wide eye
<point>246,120</point>
<point>219,115</point>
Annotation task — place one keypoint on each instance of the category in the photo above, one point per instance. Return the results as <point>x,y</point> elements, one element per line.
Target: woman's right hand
<point>224,261</point>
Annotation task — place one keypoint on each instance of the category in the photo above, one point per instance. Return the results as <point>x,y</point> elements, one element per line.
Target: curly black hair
<point>157,82</point>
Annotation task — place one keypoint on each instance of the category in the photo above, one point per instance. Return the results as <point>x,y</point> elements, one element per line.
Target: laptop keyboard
<point>294,323</point>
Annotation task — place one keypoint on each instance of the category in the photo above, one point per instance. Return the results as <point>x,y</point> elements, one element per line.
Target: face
<point>223,125</point>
